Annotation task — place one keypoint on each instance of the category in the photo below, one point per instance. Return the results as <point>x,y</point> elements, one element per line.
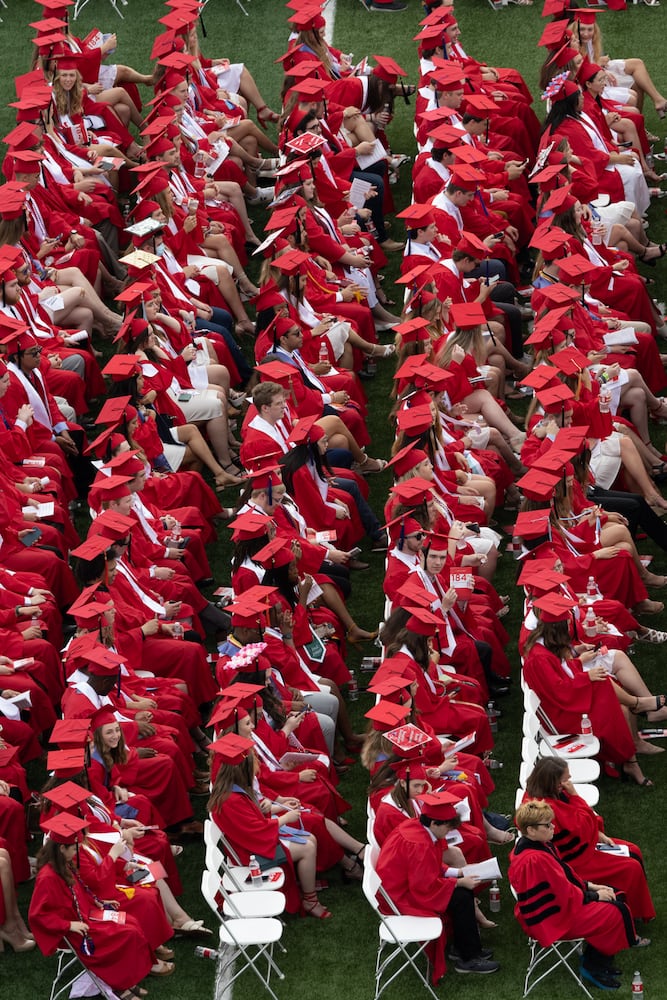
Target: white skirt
<point>606,460</point>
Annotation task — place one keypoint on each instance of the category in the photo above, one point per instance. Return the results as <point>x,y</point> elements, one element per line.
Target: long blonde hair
<point>471,341</point>
<point>68,102</point>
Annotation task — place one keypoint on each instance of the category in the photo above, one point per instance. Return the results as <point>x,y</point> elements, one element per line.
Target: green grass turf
<point>328,960</point>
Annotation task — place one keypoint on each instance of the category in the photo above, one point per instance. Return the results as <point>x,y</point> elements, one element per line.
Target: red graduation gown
<point>551,904</point>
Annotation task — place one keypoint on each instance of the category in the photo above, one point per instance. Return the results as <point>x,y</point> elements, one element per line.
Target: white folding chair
<point>405,937</point>
<point>72,978</point>
<point>589,793</point>
<point>250,937</point>
<point>235,874</point>
<point>538,725</point>
<point>241,905</point>
<point>557,954</point>
<point>80,4</point>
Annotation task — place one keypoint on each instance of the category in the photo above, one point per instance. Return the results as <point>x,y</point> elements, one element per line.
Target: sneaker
<point>479,966</point>
<point>600,978</point>
<point>263,196</point>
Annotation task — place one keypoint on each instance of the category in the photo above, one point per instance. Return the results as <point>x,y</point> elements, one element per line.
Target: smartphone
<point>33,536</point>
<point>137,876</point>
<point>498,236</point>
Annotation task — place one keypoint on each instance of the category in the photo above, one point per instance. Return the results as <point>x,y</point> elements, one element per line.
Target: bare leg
<point>481,401</point>
<point>192,437</point>
<point>636,68</point>
<point>335,603</point>
<point>638,479</point>
<point>108,321</point>
<point>13,928</point>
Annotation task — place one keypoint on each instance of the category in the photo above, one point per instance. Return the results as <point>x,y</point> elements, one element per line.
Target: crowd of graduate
<point>124,246</point>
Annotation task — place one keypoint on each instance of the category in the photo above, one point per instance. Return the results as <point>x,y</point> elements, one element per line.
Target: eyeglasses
<point>34,353</point>
<point>418,536</point>
<point>543,824</point>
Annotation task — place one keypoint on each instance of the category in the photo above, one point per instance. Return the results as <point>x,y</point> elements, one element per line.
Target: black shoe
<point>387,8</point>
<point>479,966</point>
<point>380,543</point>
<point>485,953</point>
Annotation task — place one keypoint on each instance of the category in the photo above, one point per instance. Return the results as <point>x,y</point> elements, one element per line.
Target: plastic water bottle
<point>494,897</point>
<point>586,726</point>
<point>637,986</point>
<point>493,716</point>
<point>177,630</point>
<point>200,166</point>
<point>176,531</point>
<point>202,952</point>
<point>323,357</point>
<point>255,871</point>
<point>592,592</point>
<point>353,687</point>
<point>590,623</point>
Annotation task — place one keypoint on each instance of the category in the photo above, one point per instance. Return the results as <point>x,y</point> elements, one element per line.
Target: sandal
<point>311,907</point>
<point>376,465</point>
<point>264,119</point>
<point>384,351</point>
<point>162,969</point>
<point>641,942</point>
<point>192,928</point>
<point>652,635</point>
<point>635,769</point>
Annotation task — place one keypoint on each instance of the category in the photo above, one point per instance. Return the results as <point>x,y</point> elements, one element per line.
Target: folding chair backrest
<point>211,833</point>
<point>213,858</point>
<point>210,887</point>
<point>229,851</point>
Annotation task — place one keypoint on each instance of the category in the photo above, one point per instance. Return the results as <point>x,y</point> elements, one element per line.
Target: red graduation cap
<point>66,763</point>
<point>413,330</point>
<point>65,828</point>
<point>554,607</point>
<point>113,410</point>
<point>532,523</point>
<point>438,805</point>
<point>275,554</point>
<point>232,748</point>
<point>387,715</point>
<point>466,178</point>
<point>414,420</point>
<point>67,733</point>
<point>467,315</point>
<point>560,200</point>
<point>570,361</point>
<point>388,69</point>
<point>537,484</point>
<point>555,398</point>
<point>413,492</point>
<point>67,797</point>
<point>122,366</point>
<point>417,216</point>
<point>250,524</point>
